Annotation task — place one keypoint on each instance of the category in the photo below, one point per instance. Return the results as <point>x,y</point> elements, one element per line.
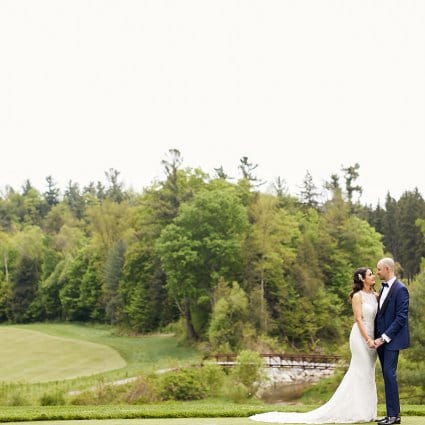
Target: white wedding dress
<point>355,399</point>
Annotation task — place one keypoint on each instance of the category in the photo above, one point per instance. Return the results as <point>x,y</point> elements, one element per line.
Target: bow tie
<point>385,285</point>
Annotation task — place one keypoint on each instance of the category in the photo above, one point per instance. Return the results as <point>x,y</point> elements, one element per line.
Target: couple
<point>380,328</point>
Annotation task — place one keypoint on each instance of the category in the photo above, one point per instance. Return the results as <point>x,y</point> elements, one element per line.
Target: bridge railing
<point>304,361</point>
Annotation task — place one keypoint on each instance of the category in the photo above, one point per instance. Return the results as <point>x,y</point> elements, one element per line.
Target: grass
<point>136,354</point>
<point>142,353</point>
<point>162,413</point>
<point>44,358</point>
<point>192,421</point>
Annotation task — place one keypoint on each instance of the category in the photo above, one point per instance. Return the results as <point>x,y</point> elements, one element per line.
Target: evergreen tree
<point>351,174</point>
<point>309,194</point>
<point>74,199</point>
<point>390,228</point>
<point>115,191</point>
<point>24,288</point>
<point>411,247</point>
<point>51,195</point>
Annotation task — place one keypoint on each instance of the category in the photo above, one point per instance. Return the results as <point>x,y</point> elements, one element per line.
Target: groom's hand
<point>378,342</point>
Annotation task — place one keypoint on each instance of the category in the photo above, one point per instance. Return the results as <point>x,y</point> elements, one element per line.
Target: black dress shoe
<point>390,420</point>
<point>383,420</point>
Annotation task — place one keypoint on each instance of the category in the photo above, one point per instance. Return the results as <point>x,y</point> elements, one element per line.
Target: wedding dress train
<point>355,399</point>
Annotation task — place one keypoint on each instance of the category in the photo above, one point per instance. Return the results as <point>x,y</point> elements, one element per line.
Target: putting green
<point>31,356</point>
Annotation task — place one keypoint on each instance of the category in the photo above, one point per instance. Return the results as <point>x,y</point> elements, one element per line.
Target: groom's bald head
<point>385,268</point>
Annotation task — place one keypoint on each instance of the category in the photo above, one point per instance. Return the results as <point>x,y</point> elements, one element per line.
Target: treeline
<point>233,266</point>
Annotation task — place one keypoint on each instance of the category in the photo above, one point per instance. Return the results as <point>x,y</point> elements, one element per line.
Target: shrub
<point>142,391</point>
<point>102,394</point>
<point>16,400</point>
<point>214,377</point>
<point>53,399</point>
<point>238,393</point>
<point>249,370</point>
<point>185,384</point>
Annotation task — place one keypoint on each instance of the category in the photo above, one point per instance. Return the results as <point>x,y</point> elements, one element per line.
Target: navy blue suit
<point>392,320</point>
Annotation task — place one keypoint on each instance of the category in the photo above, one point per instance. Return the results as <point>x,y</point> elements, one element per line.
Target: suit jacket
<point>392,318</point>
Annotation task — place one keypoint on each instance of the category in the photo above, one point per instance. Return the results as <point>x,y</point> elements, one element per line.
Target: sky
<point>294,85</point>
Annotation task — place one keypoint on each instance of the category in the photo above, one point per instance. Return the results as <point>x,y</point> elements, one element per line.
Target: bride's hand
<point>371,343</point>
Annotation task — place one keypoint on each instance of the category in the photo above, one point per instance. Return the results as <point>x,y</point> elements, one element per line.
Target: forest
<point>220,261</point>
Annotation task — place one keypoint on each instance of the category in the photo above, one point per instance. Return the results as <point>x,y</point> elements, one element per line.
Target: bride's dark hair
<point>358,278</point>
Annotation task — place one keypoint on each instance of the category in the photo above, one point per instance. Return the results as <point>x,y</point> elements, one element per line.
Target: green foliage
<point>412,371</point>
<point>214,379</point>
<point>203,244</point>
<point>248,371</point>
<point>229,318</point>
<point>52,399</point>
<point>143,390</point>
<point>141,261</point>
<point>184,384</point>
<point>238,393</point>
<point>24,288</point>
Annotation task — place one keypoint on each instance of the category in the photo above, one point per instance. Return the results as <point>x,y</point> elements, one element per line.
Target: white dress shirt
<point>382,299</point>
<point>386,290</point>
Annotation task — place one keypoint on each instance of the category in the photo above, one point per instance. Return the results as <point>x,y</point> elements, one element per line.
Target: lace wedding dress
<point>355,399</point>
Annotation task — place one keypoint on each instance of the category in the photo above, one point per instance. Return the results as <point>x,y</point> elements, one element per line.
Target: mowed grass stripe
<point>409,420</point>
<point>31,356</point>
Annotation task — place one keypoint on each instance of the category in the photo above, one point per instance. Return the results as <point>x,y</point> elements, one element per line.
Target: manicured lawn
<point>33,356</point>
<point>53,358</point>
<point>141,353</point>
<point>409,420</point>
<point>161,413</point>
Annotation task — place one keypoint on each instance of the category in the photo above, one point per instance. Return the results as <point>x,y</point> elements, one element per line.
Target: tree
<point>229,318</point>
<point>115,191</point>
<point>411,247</point>
<point>80,293</point>
<point>51,195</point>
<point>333,185</point>
<point>413,372</point>
<point>74,199</point>
<point>269,251</point>
<point>309,193</point>
<point>221,174</point>
<point>280,187</point>
<point>24,287</point>
<point>108,223</point>
<point>201,245</point>
<point>351,174</point>
<point>113,272</point>
<point>390,226</point>
<point>247,169</point>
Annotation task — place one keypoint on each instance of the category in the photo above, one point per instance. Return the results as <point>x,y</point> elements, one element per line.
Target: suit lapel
<point>388,297</point>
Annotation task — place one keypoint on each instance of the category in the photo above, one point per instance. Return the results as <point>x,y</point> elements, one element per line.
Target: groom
<point>392,333</point>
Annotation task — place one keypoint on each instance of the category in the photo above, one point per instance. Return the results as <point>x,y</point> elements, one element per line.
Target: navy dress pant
<point>389,361</point>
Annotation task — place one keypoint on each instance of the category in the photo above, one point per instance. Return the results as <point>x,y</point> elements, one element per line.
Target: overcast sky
<point>293,85</point>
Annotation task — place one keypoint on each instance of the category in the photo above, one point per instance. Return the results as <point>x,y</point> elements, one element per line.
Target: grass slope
<point>139,355</point>
<point>33,356</point>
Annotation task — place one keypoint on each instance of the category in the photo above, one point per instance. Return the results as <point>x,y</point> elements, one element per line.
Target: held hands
<point>374,344</point>
<point>371,343</point>
<point>378,342</point>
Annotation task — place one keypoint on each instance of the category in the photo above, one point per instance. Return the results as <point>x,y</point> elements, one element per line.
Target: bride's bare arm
<point>356,303</point>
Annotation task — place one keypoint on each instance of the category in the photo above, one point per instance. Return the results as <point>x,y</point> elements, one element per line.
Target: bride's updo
<point>359,277</point>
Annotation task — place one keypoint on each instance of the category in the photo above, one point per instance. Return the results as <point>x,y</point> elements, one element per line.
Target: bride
<point>355,399</point>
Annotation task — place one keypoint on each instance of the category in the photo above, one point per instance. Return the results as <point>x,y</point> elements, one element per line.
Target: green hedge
<point>207,408</point>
